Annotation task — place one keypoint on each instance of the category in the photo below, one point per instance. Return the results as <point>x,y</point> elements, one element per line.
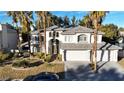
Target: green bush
<point>21,63</point>
<point>59,57</point>
<point>48,58</point>
<point>4,56</point>
<point>40,55</point>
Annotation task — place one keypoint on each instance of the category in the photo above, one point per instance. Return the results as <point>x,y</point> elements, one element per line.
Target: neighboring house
<point>8,37</point>
<point>74,44</point>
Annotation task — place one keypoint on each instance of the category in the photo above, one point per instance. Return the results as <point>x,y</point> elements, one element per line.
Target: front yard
<point>8,72</point>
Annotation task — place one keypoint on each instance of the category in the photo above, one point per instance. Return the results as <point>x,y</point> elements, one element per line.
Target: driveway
<point>107,71</point>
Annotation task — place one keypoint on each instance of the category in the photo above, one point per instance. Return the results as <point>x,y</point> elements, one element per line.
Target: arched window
<point>82,38</point>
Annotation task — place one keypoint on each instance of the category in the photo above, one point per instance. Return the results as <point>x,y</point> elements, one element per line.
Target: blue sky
<point>115,17</point>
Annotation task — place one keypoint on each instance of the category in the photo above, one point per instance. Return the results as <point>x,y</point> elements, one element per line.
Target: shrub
<point>36,63</point>
<point>48,58</point>
<point>59,57</point>
<point>26,54</point>
<point>40,55</point>
<point>10,55</point>
<point>21,63</point>
<point>4,56</point>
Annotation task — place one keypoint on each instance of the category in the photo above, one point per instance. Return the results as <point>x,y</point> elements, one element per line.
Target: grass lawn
<point>7,72</point>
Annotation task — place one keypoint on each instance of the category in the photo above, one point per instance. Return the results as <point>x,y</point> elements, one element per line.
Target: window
<point>65,38</point>
<point>42,38</point>
<point>82,38</point>
<point>68,38</point>
<point>34,38</point>
<point>57,34</point>
<point>50,34</point>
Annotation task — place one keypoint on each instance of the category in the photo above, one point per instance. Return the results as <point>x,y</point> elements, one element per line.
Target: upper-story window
<point>50,34</point>
<point>82,38</point>
<point>57,34</point>
<point>68,38</point>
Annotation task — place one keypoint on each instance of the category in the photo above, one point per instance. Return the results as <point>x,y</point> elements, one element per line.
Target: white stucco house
<point>8,37</point>
<point>74,44</point>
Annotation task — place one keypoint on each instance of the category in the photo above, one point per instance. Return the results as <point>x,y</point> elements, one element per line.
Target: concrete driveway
<point>107,71</point>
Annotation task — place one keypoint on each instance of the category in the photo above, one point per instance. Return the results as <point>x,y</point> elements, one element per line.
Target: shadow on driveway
<point>84,73</point>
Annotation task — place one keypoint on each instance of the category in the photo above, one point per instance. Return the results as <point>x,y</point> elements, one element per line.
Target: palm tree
<point>39,25</point>
<point>59,21</point>
<point>26,21</point>
<point>97,18</point>
<point>49,21</point>
<point>44,16</point>
<point>66,21</point>
<point>74,21</point>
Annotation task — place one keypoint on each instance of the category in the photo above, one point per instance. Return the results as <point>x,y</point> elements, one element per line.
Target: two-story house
<point>75,44</point>
<point>8,37</point>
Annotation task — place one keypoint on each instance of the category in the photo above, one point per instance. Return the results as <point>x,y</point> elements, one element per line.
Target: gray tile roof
<point>69,31</point>
<point>51,28</point>
<point>78,29</point>
<point>102,46</point>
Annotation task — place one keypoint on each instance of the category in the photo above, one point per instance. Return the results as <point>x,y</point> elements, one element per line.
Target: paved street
<point>107,71</point>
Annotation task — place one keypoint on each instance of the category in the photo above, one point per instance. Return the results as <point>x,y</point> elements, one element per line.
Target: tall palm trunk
<point>40,39</point>
<point>18,38</point>
<point>94,49</point>
<point>44,26</point>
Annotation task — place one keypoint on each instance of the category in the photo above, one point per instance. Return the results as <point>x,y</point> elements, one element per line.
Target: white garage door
<point>77,55</point>
<point>102,55</point>
<point>114,55</point>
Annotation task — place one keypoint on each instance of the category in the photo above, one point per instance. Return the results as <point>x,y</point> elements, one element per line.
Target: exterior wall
<point>12,36</point>
<point>74,38</point>
<point>8,38</point>
<point>60,38</point>
<point>99,38</point>
<point>114,55</point>
<point>4,38</point>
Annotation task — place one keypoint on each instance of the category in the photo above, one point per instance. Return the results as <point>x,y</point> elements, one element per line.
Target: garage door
<point>102,55</point>
<point>114,55</point>
<point>77,55</point>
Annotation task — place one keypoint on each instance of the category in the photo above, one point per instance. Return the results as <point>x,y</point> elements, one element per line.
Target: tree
<point>43,15</point>
<point>74,21</point>
<point>39,26</point>
<point>49,21</point>
<point>26,21</point>
<point>97,18</point>
<point>111,32</point>
<point>60,21</point>
<point>86,21</point>
<point>66,21</point>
